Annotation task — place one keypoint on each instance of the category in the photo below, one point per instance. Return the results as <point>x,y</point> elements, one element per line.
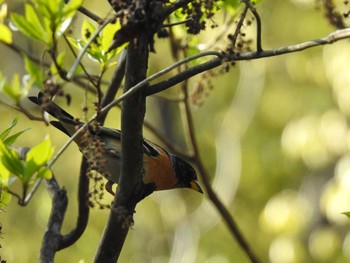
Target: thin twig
<point>32,191</point>
<point>22,110</point>
<point>258,24</point>
<point>177,23</point>
<point>69,141</point>
<point>239,25</point>
<point>113,86</point>
<point>88,13</point>
<point>330,39</point>
<point>226,216</point>
<point>91,80</point>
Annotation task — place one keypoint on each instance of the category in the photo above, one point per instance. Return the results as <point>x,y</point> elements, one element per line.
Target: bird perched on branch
<point>162,170</point>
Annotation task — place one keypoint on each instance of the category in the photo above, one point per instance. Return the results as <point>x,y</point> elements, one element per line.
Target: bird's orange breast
<point>159,170</point>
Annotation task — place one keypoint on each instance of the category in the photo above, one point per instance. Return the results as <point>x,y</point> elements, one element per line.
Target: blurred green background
<point>275,140</point>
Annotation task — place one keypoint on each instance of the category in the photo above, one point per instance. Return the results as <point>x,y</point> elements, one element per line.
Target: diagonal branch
<point>223,211</point>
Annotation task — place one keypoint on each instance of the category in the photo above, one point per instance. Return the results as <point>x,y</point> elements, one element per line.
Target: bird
<point>162,169</point>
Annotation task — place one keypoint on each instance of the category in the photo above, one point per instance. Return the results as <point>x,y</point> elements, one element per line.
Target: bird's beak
<point>194,185</point>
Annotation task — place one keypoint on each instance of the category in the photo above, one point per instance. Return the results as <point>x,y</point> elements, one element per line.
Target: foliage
<point>27,170</point>
<point>45,20</point>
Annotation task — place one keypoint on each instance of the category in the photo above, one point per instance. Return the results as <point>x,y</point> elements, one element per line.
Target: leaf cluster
<point>26,165</point>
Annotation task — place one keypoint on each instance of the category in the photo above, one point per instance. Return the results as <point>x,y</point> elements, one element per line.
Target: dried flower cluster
<point>94,152</point>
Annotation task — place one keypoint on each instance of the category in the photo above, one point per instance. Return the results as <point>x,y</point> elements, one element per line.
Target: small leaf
<point>4,176</point>
<point>41,153</point>
<point>5,34</point>
<point>108,34</point>
<point>7,131</point>
<point>44,173</point>
<point>34,71</point>
<point>347,214</point>
<point>11,160</point>
<point>13,90</point>
<point>87,30</point>
<point>31,25</point>
<point>36,158</point>
<point>70,8</point>
<point>11,139</point>
<point>3,11</point>
<point>5,197</point>
<point>33,19</point>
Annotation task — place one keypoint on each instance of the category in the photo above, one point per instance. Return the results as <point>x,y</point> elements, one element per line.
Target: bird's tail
<point>50,107</point>
<point>66,122</point>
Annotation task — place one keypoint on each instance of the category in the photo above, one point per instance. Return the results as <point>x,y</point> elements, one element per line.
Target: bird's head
<point>187,176</point>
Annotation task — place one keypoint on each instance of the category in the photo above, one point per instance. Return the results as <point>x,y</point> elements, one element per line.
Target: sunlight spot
<point>283,250</point>
<point>287,211</point>
<point>323,243</point>
<point>336,197</point>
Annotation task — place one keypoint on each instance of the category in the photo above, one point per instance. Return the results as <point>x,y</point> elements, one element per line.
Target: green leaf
<point>108,35</point>
<point>4,176</point>
<point>37,157</point>
<point>71,7</point>
<point>5,34</point>
<point>7,131</point>
<point>87,30</point>
<point>35,72</point>
<point>28,29</point>
<point>41,153</point>
<point>13,90</point>
<point>5,197</point>
<point>31,25</point>
<point>44,173</point>
<point>10,159</point>
<point>33,19</point>
<point>347,214</point>
<point>3,10</point>
<point>11,139</point>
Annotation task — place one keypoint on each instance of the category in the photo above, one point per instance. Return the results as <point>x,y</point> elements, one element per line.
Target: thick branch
<point>133,110</point>
<point>186,74</point>
<point>52,237</point>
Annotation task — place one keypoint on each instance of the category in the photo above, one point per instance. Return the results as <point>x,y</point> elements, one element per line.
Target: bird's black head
<point>187,177</point>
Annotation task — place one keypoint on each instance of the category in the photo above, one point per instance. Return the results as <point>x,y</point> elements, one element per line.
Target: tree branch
<point>133,111</point>
<point>83,209</point>
<point>223,211</point>
<point>142,84</point>
<point>163,85</point>
<point>113,86</point>
<point>52,237</point>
